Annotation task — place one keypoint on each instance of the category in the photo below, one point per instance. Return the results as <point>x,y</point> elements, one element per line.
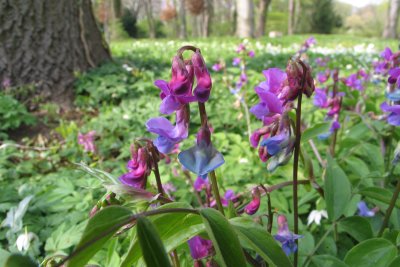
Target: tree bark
<point>245,18</point>
<point>207,17</point>
<point>45,42</point>
<point>182,20</point>
<point>262,18</point>
<point>291,17</point>
<point>117,8</point>
<point>150,20</point>
<point>390,30</point>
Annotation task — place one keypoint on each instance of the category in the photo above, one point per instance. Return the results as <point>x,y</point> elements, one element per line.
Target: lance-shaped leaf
<point>337,190</point>
<point>99,229</point>
<point>152,247</point>
<point>18,260</point>
<point>255,237</point>
<point>224,238</point>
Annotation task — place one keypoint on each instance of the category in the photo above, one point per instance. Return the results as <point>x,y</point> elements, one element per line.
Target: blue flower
<point>285,237</point>
<point>276,143</point>
<point>203,157</point>
<point>364,211</point>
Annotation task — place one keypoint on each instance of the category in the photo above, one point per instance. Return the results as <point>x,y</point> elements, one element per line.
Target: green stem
<point>390,208</point>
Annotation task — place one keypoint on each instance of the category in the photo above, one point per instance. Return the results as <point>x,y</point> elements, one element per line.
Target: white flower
<point>316,216</point>
<point>127,67</point>
<point>24,241</point>
<point>243,161</point>
<point>15,215</point>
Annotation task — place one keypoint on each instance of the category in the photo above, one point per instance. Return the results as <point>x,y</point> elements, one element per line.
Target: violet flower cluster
<point>331,100</point>
<point>276,95</point>
<point>390,67</point>
<point>356,81</point>
<point>243,52</point>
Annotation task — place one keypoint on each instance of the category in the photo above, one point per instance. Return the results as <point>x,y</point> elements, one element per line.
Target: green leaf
<point>380,194</point>
<point>224,238</point>
<point>255,237</point>
<point>395,262</point>
<point>358,227</point>
<point>18,260</point>
<point>371,253</point>
<point>327,261</point>
<point>337,190</point>
<point>314,131</point>
<point>231,212</point>
<point>152,247</point>
<point>174,229</point>
<point>99,229</point>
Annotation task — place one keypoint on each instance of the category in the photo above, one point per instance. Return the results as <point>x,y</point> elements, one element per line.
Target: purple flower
<point>87,141</point>
<point>276,143</point>
<point>387,54</point>
<point>285,237</point>
<point>236,61</point>
<point>353,82</point>
<point>394,116</point>
<point>364,211</point>
<point>320,98</point>
<point>178,91</point>
<point>254,204</point>
<point>169,135</point>
<point>334,127</point>
<point>394,77</point>
<point>217,67</point>
<point>241,47</point>
<point>200,248</point>
<point>322,77</point>
<point>251,53</point>
<point>204,83</point>
<point>138,170</point>
<point>321,62</point>
<point>201,183</point>
<point>203,157</point>
<point>228,196</point>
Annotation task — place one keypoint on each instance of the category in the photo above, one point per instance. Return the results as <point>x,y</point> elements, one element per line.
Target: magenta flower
<point>394,116</point>
<point>178,91</point>
<point>285,237</point>
<point>387,54</point>
<point>394,76</point>
<point>228,196</point>
<point>203,157</point>
<point>168,135</point>
<point>217,67</point>
<point>200,248</point>
<point>251,53</point>
<point>204,83</point>
<point>321,62</point>
<point>241,47</point>
<point>201,183</point>
<point>254,204</point>
<point>322,77</point>
<point>236,61</point>
<point>87,141</point>
<point>138,169</point>
<point>353,82</point>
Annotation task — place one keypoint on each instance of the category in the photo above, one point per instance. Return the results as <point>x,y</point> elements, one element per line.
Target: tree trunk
<point>291,17</point>
<point>262,18</point>
<point>117,8</point>
<point>390,30</point>
<point>207,17</point>
<point>182,20</point>
<point>245,18</point>
<point>45,42</point>
<point>150,21</point>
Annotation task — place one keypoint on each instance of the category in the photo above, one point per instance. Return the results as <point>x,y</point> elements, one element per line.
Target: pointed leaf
<point>99,229</point>
<point>358,227</point>
<point>18,260</point>
<point>152,247</point>
<point>371,253</point>
<point>337,190</point>
<point>262,242</point>
<point>224,238</point>
<point>380,194</point>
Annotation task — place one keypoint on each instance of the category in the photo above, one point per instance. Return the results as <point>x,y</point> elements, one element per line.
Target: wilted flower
<point>203,157</point>
<point>285,237</point>
<point>87,141</point>
<point>316,216</point>
<point>200,248</point>
<point>364,211</point>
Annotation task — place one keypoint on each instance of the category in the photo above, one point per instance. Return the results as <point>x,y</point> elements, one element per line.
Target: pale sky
<point>361,3</point>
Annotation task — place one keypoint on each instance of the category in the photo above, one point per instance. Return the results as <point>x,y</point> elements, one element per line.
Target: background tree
<point>323,17</point>
<point>291,17</point>
<point>55,40</point>
<point>182,20</point>
<point>392,19</point>
<point>262,17</point>
<point>245,18</point>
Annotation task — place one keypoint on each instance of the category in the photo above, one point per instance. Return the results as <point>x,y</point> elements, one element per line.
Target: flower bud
<point>254,205</point>
<point>204,83</point>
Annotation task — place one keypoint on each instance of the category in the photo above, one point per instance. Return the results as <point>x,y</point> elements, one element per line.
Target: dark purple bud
<point>254,205</point>
<point>204,83</point>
